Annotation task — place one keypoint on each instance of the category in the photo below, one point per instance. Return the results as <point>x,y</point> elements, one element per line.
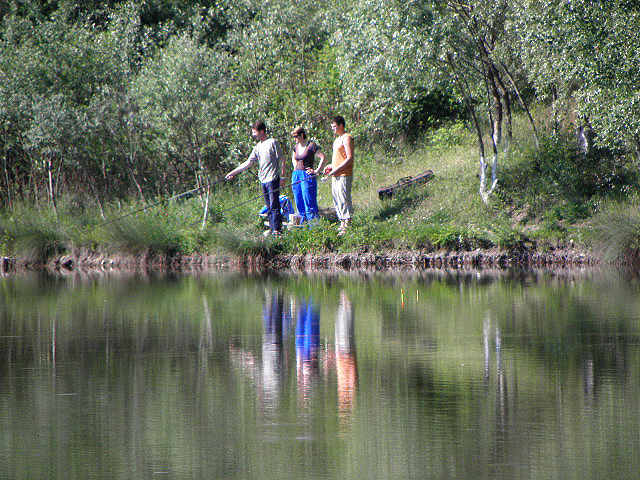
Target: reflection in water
<point>269,374</point>
<point>346,365</point>
<point>313,362</point>
<point>307,346</point>
<point>276,318</point>
<point>506,378</point>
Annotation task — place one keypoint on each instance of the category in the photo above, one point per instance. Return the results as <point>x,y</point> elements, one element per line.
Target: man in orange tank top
<point>341,171</point>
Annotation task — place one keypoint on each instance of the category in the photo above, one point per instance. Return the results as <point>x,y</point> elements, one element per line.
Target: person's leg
<point>335,194</point>
<point>298,194</point>
<point>342,200</point>
<point>267,203</point>
<point>275,215</point>
<point>310,194</point>
<point>348,182</point>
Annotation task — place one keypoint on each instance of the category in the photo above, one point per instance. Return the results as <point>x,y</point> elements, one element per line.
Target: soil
<point>82,259</point>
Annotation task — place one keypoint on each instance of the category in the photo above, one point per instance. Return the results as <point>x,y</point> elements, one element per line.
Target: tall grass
<point>34,236</point>
<point>616,233</point>
<point>546,195</point>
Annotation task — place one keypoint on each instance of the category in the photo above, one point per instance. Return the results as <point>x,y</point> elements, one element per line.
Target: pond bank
<point>383,260</point>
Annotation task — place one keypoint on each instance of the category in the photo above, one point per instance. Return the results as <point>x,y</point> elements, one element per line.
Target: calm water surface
<point>504,375</point>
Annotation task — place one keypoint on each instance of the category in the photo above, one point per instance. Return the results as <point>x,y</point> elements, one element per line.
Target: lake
<point>502,374</point>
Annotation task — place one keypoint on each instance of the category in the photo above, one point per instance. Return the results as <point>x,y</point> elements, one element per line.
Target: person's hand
<point>229,176</point>
<point>327,170</point>
<point>311,171</point>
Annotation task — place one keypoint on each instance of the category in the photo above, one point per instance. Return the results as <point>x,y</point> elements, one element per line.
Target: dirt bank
<point>384,260</point>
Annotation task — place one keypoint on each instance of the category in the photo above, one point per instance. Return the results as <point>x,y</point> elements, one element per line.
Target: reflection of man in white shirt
<point>271,172</point>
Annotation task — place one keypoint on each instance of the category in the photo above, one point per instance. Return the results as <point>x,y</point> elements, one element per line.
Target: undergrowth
<point>547,196</point>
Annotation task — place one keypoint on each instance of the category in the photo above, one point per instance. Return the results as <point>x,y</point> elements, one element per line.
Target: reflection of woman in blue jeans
<point>303,179</point>
<point>308,332</point>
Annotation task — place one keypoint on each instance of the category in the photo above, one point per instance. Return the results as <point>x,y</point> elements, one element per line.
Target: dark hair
<point>259,126</point>
<point>299,131</point>
<point>339,120</point>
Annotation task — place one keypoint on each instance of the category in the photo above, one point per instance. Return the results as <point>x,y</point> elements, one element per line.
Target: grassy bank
<point>548,196</point>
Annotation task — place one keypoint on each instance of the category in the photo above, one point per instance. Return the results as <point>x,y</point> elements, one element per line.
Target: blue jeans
<point>305,192</point>
<point>271,194</point>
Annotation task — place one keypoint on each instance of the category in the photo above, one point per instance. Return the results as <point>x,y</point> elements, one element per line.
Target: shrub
<point>616,233</point>
<point>36,236</point>
<point>554,181</point>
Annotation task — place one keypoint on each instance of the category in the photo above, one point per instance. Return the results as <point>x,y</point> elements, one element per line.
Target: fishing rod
<point>175,197</point>
<point>260,196</point>
<point>196,190</point>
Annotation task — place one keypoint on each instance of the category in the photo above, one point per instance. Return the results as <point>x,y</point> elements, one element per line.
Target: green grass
<point>616,233</point>
<point>547,196</point>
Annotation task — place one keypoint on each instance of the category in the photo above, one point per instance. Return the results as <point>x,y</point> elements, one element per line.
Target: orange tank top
<point>340,155</point>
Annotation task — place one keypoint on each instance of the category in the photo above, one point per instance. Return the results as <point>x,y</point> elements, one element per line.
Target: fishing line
<point>257,197</point>
<point>196,190</point>
<point>175,197</point>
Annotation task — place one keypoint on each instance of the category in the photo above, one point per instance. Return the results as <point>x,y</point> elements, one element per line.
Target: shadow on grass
<point>402,201</point>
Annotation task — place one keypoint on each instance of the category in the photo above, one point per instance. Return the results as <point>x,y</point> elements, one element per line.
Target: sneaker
<point>266,233</point>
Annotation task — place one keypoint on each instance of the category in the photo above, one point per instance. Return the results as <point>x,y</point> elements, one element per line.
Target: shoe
<point>266,233</point>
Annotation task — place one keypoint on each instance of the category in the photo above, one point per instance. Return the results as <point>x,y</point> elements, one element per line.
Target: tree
<point>585,54</point>
<point>283,71</point>
<point>391,49</point>
<point>183,95</point>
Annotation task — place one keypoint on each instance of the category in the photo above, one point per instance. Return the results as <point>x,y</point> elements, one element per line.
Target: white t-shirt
<point>267,154</point>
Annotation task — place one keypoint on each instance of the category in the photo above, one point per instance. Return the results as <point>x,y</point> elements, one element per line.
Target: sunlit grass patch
<point>156,232</point>
<point>616,233</point>
<point>34,235</point>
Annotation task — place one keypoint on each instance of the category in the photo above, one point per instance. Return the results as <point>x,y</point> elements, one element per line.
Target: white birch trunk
<point>206,209</point>
<point>484,192</point>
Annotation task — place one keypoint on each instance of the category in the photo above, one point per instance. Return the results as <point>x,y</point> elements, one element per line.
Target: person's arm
<point>348,149</point>
<point>293,159</point>
<point>240,168</point>
<point>323,158</point>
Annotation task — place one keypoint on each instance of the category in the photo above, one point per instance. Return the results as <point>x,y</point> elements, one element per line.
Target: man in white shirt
<point>271,172</point>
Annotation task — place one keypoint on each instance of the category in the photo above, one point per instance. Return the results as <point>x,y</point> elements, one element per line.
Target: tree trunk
<point>504,92</point>
<point>206,209</point>
<point>135,182</point>
<point>7,181</point>
<point>496,126</point>
<point>50,184</point>
<point>5,144</point>
<point>554,103</point>
<point>585,138</point>
<point>636,140</point>
<point>523,103</point>
<point>95,193</point>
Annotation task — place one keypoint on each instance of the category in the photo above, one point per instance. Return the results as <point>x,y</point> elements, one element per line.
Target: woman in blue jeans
<point>303,179</point>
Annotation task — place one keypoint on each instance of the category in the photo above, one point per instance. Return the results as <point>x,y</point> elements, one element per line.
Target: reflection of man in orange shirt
<point>346,366</point>
<point>341,169</point>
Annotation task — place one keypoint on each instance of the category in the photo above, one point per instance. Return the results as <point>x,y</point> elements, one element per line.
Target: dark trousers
<point>271,193</point>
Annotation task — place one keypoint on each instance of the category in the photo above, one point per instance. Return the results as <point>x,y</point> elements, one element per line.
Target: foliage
<point>553,180</point>
<point>616,233</point>
<point>34,236</point>
<point>107,102</point>
<point>585,54</point>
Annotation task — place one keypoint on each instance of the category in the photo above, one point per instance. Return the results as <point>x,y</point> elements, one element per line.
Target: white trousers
<point>341,192</point>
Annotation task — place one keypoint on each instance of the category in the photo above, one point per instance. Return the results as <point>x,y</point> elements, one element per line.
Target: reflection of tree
<point>569,328</point>
<point>502,397</point>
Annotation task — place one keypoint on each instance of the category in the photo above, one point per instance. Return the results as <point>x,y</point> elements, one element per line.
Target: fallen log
<point>388,191</point>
